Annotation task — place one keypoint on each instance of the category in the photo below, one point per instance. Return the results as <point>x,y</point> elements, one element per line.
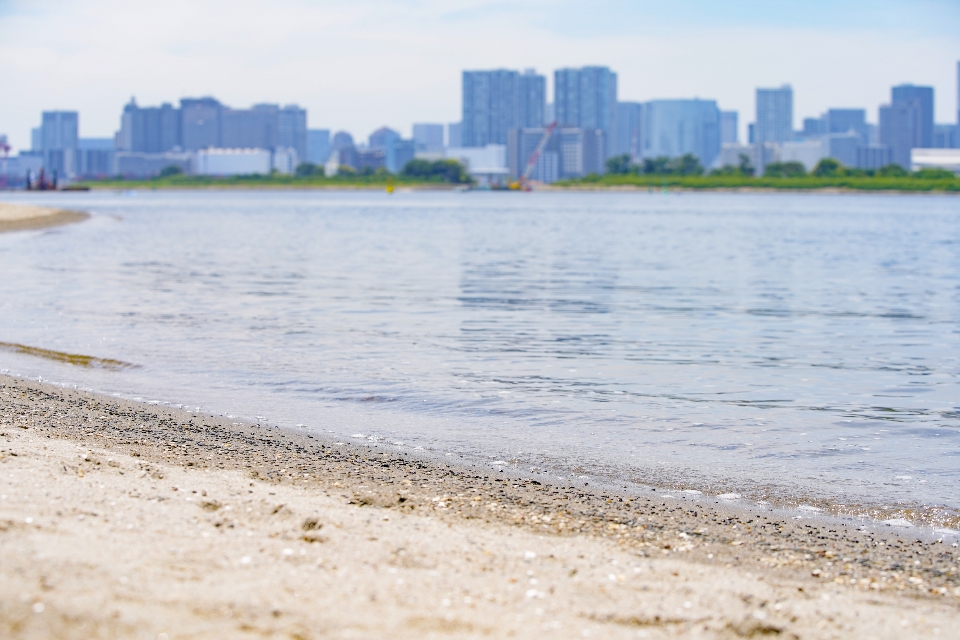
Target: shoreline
<point>476,552</point>
<point>22,217</point>
<point>626,188</point>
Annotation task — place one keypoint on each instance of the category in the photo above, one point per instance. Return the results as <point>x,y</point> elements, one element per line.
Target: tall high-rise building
<point>920,98</point>
<point>958,98</point>
<point>200,123</point>
<point>254,128</point>
<point>532,99</point>
<point>678,127</point>
<point>292,130</point>
<point>428,137</point>
<point>907,122</point>
<point>629,130</point>
<point>774,121</point>
<point>318,145</point>
<point>149,129</point>
<point>729,125</point>
<point>587,98</point>
<point>499,100</point>
<point>59,137</point>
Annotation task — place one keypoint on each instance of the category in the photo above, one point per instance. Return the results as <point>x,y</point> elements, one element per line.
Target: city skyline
<point>93,56</point>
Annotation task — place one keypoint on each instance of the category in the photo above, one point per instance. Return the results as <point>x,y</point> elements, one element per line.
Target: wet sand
<point>20,217</point>
<point>120,519</point>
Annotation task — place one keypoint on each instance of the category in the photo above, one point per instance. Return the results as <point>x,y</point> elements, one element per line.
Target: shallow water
<point>802,346</point>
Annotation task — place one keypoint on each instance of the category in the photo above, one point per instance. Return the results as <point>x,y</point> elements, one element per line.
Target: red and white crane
<point>523,182</point>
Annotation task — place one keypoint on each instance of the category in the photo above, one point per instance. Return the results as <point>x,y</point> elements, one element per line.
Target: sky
<point>357,65</point>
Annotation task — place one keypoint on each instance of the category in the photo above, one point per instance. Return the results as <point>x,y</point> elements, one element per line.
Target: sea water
<point>800,347</point>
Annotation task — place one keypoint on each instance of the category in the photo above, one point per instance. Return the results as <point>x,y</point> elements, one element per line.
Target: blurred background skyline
<point>364,64</point>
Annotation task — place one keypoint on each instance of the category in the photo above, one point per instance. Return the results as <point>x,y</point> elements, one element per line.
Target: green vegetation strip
<point>69,358</point>
<point>799,183</point>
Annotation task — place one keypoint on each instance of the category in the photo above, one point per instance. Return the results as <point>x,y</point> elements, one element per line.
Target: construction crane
<point>523,183</point>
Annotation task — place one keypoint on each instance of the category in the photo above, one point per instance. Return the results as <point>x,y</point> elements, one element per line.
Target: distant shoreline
<point>648,183</point>
<point>22,217</point>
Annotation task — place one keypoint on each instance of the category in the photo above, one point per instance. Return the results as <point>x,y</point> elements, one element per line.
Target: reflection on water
<point>800,344</point>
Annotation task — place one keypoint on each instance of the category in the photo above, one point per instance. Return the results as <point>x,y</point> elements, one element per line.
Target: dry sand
<point>19,217</point>
<point>120,519</point>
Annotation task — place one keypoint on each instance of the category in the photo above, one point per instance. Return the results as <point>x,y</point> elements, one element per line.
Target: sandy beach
<point>20,217</point>
<point>120,519</point>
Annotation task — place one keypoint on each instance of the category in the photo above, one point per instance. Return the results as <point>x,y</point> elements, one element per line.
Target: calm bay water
<point>802,346</point>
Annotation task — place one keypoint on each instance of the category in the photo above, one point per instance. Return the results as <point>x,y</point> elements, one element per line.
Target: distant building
<point>397,152</point>
<point>842,147</point>
<point>370,159</point>
<point>586,98</point>
<point>907,122</point>
<point>486,165</point>
<point>59,137</point>
<point>95,157</point>
<point>149,129</point>
<point>730,155</point>
<point>137,165</point>
<point>36,139</point>
<point>946,136</point>
<point>497,101</point>
<point>774,115</point>
<point>571,152</point>
<point>342,140</point>
<point>630,130</point>
<point>948,159</point>
<point>318,145</point>
<point>678,127</point>
<point>455,134</point>
<point>292,130</point>
<point>521,143</point>
<point>284,160</point>
<point>813,128</point>
<point>199,123</point>
<point>774,120</point>
<point>428,137</point>
<point>549,113</point>
<point>729,127</point>
<point>806,152</point>
<point>231,162</point>
<point>873,156</point>
<point>532,98</point>
<point>847,120</point>
<point>254,128</point>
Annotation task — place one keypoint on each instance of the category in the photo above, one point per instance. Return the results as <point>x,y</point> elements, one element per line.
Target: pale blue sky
<point>360,64</point>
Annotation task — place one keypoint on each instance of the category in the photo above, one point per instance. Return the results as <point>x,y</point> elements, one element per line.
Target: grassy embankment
<point>799,183</point>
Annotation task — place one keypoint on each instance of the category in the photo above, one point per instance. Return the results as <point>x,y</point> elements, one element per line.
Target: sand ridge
<point>131,520</point>
<point>20,217</point>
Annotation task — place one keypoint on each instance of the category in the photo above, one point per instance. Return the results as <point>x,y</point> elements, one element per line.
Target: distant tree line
<point>445,170</point>
<point>685,165</point>
<point>689,165</point>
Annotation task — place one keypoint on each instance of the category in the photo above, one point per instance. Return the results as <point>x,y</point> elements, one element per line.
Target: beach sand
<point>120,519</point>
<point>19,217</point>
